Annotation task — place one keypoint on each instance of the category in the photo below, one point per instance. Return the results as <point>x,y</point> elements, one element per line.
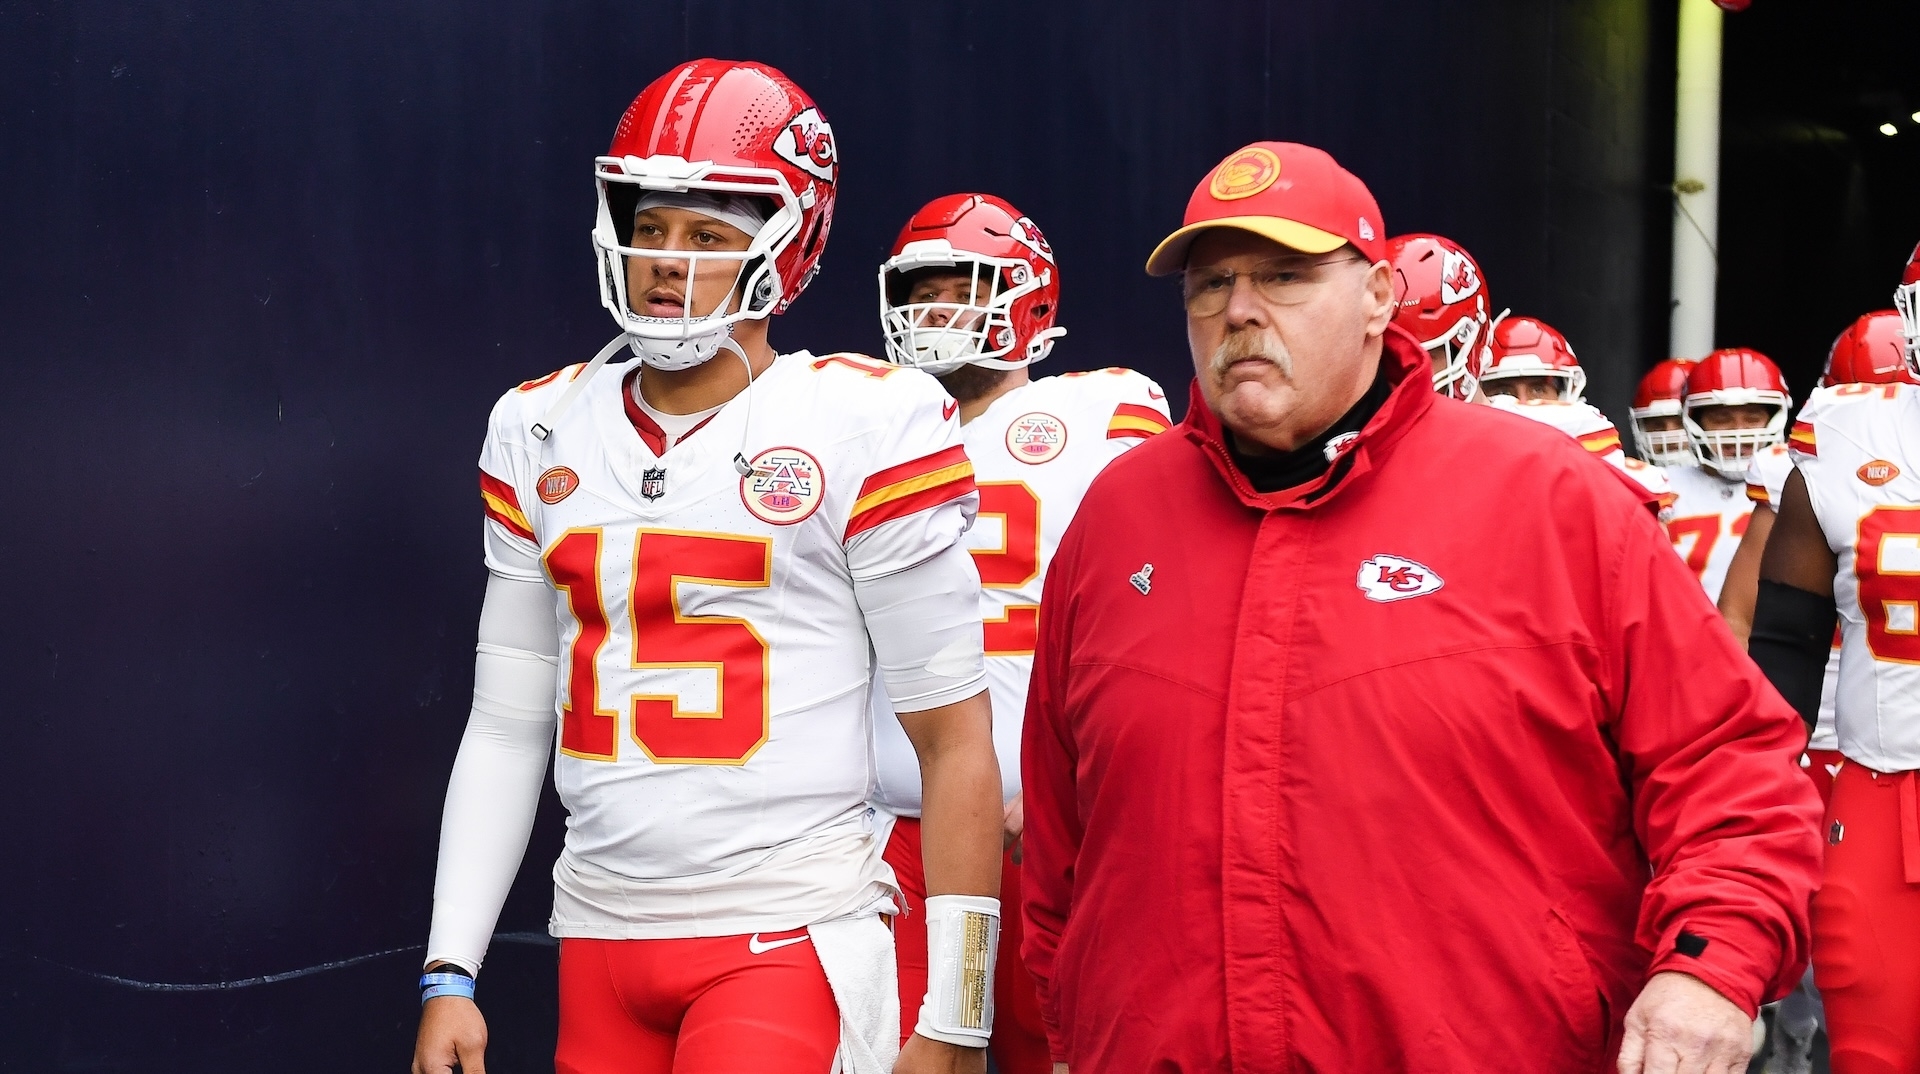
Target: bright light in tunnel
<point>1889,129</point>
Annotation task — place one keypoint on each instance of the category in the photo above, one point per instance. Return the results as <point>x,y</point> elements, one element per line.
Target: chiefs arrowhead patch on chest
<point>1386,578</point>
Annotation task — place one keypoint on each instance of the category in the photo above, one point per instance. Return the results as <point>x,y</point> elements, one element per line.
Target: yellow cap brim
<point>1171,255</point>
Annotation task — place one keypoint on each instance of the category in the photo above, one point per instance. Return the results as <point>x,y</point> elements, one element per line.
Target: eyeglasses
<point>1286,281</point>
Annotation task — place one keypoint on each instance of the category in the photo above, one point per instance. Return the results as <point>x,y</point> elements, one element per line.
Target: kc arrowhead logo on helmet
<point>807,144</point>
<point>1385,578</point>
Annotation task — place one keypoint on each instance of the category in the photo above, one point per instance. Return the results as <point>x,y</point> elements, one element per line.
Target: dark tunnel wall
<point>264,268</point>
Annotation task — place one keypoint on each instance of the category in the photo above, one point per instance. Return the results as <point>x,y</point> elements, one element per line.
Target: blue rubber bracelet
<point>434,985</point>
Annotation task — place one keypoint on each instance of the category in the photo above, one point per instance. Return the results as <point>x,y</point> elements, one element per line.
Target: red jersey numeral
<point>1704,531</point>
<point>1015,563</point>
<point>664,638</point>
<point>1887,391</point>
<point>1887,564</point>
<point>1016,631</point>
<point>876,369</point>
<point>586,730</point>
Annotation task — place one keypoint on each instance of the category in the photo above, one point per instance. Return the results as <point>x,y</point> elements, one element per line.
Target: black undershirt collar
<point>1273,473</point>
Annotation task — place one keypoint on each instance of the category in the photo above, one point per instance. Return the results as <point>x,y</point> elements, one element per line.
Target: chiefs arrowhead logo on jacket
<point>1388,578</point>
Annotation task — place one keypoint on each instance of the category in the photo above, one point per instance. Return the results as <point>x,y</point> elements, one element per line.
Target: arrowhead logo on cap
<point>1245,174</point>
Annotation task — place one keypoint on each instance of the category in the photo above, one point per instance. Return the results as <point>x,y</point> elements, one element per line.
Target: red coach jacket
<point>1424,766</point>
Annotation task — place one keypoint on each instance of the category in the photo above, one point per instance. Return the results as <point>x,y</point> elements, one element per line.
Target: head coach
<point>1373,731</point>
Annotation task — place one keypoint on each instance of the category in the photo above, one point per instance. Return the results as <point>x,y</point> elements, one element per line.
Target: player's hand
<point>1681,1026</point>
<point>924,1055</point>
<point>1013,821</point>
<point>453,1036</point>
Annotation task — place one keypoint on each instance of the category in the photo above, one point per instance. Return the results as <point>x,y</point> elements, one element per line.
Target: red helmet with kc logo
<point>740,142</point>
<point>1906,299</point>
<point>1658,398</point>
<point>1871,351</point>
<point>1440,297</point>
<point>1734,377</point>
<point>1530,347</point>
<point>1001,316</point>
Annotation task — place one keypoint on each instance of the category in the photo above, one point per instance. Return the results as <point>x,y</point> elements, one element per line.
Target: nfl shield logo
<point>653,483</point>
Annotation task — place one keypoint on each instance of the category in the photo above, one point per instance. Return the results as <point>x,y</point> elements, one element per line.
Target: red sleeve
<point>1051,840</point>
<point>1729,824</point>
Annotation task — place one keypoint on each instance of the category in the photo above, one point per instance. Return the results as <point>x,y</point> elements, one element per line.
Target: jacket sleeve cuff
<point>1731,957</point>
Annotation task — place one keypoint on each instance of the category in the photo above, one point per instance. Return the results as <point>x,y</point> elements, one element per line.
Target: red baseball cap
<point>1294,194</point>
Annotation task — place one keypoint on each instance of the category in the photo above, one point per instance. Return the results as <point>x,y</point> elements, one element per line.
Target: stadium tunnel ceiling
<point>1820,206</point>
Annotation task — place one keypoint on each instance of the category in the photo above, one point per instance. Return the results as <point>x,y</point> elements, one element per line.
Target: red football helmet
<point>1530,347</point>
<point>1906,299</point>
<point>1440,296</point>
<point>1015,288</point>
<point>1659,396</point>
<point>1734,376</point>
<point>736,133</point>
<point>1871,351</point>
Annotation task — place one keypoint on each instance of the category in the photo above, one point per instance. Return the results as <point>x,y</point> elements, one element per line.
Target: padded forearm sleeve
<point>925,626</point>
<point>1792,635</point>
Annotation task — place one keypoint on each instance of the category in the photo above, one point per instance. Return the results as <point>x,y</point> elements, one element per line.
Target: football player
<point>1846,547</point>
<point>971,294</point>
<point>1658,436</point>
<point>1530,360</point>
<point>689,553</point>
<point>1440,297</point>
<point>1734,406</point>
<point>1870,351</point>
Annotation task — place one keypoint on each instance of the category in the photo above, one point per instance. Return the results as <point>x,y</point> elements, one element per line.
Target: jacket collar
<point>1407,369</point>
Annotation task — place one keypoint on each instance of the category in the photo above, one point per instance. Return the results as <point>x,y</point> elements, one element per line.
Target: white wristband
<point>963,943</point>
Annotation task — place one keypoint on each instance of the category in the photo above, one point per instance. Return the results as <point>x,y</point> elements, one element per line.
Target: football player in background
<point>1440,297</point>
<point>689,554</point>
<point>1846,547</point>
<point>1530,360</point>
<point>1735,405</point>
<point>1531,371</point>
<point>970,294</point>
<point>1870,351</point>
<point>1658,436</point>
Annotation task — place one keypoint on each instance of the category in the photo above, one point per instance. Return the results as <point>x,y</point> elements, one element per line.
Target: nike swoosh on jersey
<point>1151,394</point>
<point>947,408</point>
<point>756,947</point>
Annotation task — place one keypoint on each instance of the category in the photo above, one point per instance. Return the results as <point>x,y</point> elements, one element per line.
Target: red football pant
<point>1866,922</point>
<point>1820,767</point>
<point>700,1006</point>
<point>1019,1043</point>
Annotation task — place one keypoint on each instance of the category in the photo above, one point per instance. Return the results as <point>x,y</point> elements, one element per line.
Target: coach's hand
<point>1681,1026</point>
<point>924,1055</point>
<point>453,1036</point>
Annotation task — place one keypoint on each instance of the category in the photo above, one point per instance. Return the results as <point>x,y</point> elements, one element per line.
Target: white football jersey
<point>715,668</point>
<point>1035,451</point>
<point>1858,447</point>
<point>1597,433</point>
<point>1709,516</point>
<point>1766,480</point>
